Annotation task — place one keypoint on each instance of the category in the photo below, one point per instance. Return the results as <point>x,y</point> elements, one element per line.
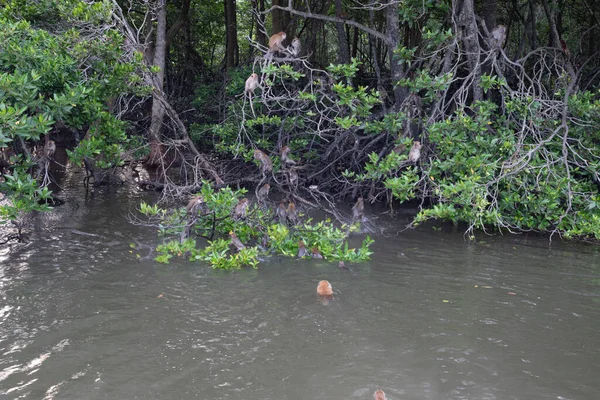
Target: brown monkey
<point>275,42</point>
<point>265,161</point>
<point>498,37</point>
<point>236,241</point>
<point>49,149</point>
<point>285,156</point>
<point>302,251</point>
<point>296,47</point>
<point>293,178</point>
<point>379,395</point>
<point>251,85</point>
<point>324,288</point>
<point>415,152</point>
<point>565,49</point>
<point>316,253</point>
<point>281,214</point>
<point>291,213</point>
<point>358,209</point>
<point>263,192</point>
<point>194,204</point>
<point>241,209</point>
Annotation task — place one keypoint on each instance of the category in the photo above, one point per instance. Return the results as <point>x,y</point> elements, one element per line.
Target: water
<point>430,317</point>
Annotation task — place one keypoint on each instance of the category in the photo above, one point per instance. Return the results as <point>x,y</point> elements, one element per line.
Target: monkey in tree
<point>195,204</point>
<point>296,47</point>
<point>281,213</point>
<point>291,213</point>
<point>498,37</point>
<point>276,42</point>
<point>285,156</point>
<point>415,152</point>
<point>265,161</point>
<point>49,149</point>
<point>251,85</point>
<point>263,193</point>
<point>241,209</point>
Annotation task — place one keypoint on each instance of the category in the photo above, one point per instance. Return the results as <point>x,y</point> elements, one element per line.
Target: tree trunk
<point>231,43</point>
<point>393,38</point>
<point>158,111</point>
<point>489,9</point>
<point>464,14</point>
<point>278,17</point>
<point>344,51</point>
<point>261,36</point>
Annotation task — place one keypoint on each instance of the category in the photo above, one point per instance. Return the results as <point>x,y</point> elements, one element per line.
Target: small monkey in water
<point>275,42</point>
<point>302,251</point>
<point>379,395</point>
<point>266,165</point>
<point>324,288</point>
<point>415,152</point>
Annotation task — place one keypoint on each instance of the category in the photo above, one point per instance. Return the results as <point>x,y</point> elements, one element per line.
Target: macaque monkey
<point>285,156</point>
<point>236,241</point>
<point>293,178</point>
<point>358,209</point>
<point>265,161</point>
<point>49,149</point>
<point>251,85</point>
<point>302,251</point>
<point>324,288</point>
<point>498,37</point>
<point>291,213</point>
<point>281,214</point>
<point>194,204</point>
<point>275,42</point>
<point>379,395</point>
<point>241,209</point>
<point>399,149</point>
<point>317,254</point>
<point>263,192</point>
<point>415,152</point>
<point>296,47</point>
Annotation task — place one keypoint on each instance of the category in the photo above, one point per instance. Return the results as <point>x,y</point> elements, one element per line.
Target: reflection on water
<point>431,317</point>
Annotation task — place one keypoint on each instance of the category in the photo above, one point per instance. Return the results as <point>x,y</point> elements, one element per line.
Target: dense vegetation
<point>485,112</point>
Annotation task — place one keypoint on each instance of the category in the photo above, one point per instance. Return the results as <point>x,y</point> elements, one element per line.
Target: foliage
<point>258,231</point>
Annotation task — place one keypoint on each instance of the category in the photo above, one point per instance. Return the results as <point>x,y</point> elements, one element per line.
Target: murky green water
<point>431,317</point>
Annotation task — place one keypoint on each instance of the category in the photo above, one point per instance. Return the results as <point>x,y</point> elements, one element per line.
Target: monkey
<point>251,85</point>
<point>316,253</point>
<point>291,213</point>
<point>281,214</point>
<point>498,37</point>
<point>275,42</point>
<point>358,209</point>
<point>379,395</point>
<point>49,149</point>
<point>265,161</point>
<point>241,209</point>
<point>296,47</point>
<point>236,241</point>
<point>285,156</point>
<point>263,192</point>
<point>324,288</point>
<point>293,178</point>
<point>302,251</point>
<point>415,152</point>
<point>399,149</point>
<point>194,204</point>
